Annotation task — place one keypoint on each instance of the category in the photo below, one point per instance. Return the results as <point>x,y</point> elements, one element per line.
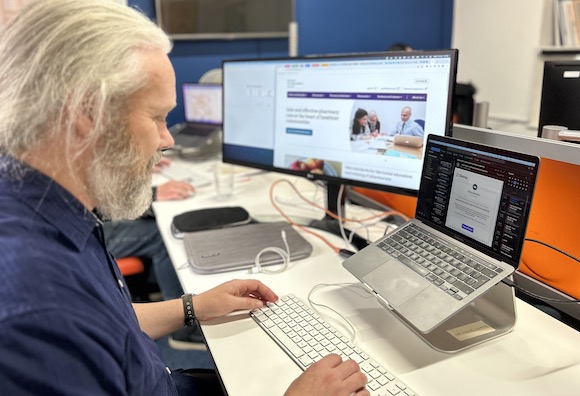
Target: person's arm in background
<point>173,189</point>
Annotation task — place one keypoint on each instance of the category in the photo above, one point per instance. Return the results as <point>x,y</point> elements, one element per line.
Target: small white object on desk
<point>569,136</point>
<point>224,181</point>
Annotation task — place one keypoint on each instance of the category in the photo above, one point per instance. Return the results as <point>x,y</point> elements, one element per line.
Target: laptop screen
<point>202,103</point>
<point>478,194</point>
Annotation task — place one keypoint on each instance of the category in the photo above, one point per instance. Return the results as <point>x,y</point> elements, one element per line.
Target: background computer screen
<point>314,116</point>
<point>560,95</point>
<point>202,103</point>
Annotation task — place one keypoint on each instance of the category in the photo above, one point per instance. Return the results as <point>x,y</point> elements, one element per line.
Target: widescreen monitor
<point>313,116</point>
<point>560,98</point>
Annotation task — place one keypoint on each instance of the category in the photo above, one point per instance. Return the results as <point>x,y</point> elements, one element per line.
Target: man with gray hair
<point>85,87</point>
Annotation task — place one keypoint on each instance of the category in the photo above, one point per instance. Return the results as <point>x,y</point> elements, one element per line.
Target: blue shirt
<point>409,128</point>
<point>67,326</point>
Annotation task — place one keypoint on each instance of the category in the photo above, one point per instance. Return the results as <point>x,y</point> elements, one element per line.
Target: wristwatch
<point>188,311</point>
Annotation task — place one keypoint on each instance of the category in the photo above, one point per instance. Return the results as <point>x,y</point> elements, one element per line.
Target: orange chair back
<point>130,265</point>
<point>555,220</point>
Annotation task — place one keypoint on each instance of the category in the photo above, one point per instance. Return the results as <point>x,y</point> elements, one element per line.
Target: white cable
<point>285,255</point>
<point>347,286</point>
<point>338,212</point>
<point>295,201</point>
<point>366,227</point>
<point>348,240</point>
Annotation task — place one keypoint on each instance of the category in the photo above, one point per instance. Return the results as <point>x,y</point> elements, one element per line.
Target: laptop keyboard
<point>455,273</point>
<point>184,172</point>
<point>306,338</point>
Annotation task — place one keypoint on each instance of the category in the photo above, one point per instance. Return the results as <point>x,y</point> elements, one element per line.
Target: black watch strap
<point>188,311</point>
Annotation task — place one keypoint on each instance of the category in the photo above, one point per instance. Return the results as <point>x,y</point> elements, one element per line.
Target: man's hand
<point>174,190</point>
<point>330,376</point>
<point>232,296</point>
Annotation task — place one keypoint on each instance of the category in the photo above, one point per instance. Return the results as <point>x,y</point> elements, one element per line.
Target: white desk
<point>540,357</point>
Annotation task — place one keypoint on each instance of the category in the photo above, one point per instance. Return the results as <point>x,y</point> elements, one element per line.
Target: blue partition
<point>324,26</point>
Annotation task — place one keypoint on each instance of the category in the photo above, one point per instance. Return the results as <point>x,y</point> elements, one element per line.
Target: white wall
<point>499,43</point>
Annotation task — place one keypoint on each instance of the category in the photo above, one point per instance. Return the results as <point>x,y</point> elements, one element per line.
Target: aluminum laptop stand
<point>487,317</point>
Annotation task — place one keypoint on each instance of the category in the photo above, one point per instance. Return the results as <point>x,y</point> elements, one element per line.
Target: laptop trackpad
<point>395,282</point>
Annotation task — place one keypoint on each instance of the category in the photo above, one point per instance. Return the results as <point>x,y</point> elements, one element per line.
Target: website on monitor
<point>339,117</point>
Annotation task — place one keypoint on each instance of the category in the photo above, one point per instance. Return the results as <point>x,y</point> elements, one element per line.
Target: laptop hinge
<point>381,300</point>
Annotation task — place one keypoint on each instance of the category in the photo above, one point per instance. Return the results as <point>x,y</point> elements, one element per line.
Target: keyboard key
<point>488,272</point>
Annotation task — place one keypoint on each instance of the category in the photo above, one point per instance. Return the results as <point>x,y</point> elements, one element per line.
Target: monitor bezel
<point>337,180</point>
<point>554,96</point>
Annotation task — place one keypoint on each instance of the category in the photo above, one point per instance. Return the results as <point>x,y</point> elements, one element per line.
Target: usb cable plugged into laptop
<point>345,253</point>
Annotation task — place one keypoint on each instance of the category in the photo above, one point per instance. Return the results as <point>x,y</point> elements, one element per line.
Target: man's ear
<point>83,125</point>
<point>84,121</point>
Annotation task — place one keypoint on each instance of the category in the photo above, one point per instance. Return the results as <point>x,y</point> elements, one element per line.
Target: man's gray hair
<point>61,58</point>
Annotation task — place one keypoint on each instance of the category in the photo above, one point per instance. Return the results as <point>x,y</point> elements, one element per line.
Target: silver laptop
<point>409,141</point>
<point>199,137</point>
<point>472,212</point>
<point>202,106</point>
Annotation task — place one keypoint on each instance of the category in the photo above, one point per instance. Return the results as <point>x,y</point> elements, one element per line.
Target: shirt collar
<point>49,200</point>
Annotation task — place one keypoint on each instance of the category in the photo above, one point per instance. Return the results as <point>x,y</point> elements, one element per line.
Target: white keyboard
<point>184,172</point>
<point>306,338</point>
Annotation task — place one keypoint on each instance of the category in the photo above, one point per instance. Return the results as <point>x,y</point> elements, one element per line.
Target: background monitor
<point>560,98</point>
<point>202,103</point>
<point>296,115</point>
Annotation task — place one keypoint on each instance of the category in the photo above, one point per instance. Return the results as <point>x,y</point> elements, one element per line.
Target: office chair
<point>421,122</point>
<point>135,270</point>
<point>130,265</point>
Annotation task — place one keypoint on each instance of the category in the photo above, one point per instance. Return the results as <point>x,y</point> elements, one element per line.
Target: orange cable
<point>292,222</point>
<point>328,212</point>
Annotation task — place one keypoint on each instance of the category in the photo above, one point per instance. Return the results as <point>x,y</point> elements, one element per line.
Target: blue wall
<point>327,26</point>
<point>324,26</point>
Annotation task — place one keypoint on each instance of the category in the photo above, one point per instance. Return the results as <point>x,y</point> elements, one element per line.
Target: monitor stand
<point>487,317</point>
<point>330,224</point>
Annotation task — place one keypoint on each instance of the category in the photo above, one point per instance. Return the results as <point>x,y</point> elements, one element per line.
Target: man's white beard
<point>118,180</point>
